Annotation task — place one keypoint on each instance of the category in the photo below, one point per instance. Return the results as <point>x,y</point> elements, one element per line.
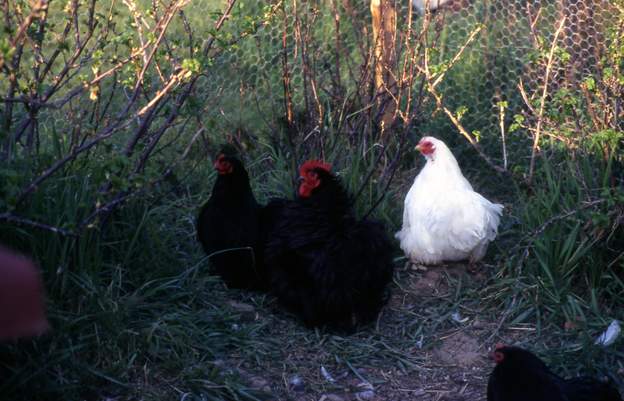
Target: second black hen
<point>229,226</point>
<point>519,375</point>
<point>327,267</point>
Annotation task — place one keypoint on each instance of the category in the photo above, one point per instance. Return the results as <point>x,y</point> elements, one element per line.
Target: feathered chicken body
<point>228,227</point>
<point>327,267</point>
<point>444,219</point>
<point>519,375</point>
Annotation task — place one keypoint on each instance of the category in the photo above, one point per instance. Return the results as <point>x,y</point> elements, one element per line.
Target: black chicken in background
<point>519,375</point>
<point>326,266</point>
<point>586,388</point>
<point>228,226</point>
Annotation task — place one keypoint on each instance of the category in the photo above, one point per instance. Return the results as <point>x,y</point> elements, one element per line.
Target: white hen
<point>444,219</point>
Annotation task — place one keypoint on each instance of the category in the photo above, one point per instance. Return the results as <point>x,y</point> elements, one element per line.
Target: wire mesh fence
<point>145,77</point>
<point>488,60</point>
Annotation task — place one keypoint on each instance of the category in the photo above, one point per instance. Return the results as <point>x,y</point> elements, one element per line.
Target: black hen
<point>228,226</point>
<point>326,266</point>
<point>521,376</point>
<point>589,389</point>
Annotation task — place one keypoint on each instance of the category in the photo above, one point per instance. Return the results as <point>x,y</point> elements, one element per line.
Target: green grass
<point>132,313</point>
<point>135,315</point>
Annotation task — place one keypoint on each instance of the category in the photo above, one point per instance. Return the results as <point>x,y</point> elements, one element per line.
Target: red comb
<point>499,346</point>
<point>314,164</point>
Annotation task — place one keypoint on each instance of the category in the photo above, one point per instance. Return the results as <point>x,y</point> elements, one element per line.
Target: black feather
<point>589,389</point>
<point>326,266</point>
<point>230,219</point>
<point>522,376</point>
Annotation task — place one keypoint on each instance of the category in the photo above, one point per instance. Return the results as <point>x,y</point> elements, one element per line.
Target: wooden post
<point>384,41</point>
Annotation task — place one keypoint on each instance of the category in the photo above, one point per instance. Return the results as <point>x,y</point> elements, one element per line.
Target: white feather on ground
<point>444,219</point>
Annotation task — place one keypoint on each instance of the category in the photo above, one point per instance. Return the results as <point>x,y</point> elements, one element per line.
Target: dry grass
<point>417,350</point>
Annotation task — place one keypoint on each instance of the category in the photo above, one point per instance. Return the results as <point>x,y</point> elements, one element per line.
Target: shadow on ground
<point>430,343</point>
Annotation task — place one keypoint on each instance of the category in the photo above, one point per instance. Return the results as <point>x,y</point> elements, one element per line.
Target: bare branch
<point>39,8</point>
<point>107,133</point>
<point>12,218</point>
<point>431,88</point>
<point>540,113</point>
<point>458,55</point>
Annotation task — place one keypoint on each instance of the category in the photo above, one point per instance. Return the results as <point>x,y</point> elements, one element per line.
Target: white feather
<point>444,219</point>
<point>422,4</point>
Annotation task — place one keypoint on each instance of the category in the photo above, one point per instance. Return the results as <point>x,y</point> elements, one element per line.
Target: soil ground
<point>430,343</point>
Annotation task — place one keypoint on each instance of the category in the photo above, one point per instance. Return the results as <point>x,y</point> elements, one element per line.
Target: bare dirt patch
<point>459,349</point>
<point>430,344</point>
<point>429,282</point>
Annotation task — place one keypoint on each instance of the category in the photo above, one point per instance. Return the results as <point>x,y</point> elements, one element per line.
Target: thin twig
<point>501,122</point>
<point>37,9</point>
<point>173,80</point>
<point>62,162</point>
<point>12,218</point>
<point>540,115</point>
<point>431,88</point>
<point>562,216</point>
<point>457,56</point>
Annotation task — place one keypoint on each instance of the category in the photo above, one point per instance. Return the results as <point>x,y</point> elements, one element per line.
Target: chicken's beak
<point>418,147</point>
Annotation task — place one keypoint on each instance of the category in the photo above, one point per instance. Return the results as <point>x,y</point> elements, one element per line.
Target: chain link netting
<point>324,51</point>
